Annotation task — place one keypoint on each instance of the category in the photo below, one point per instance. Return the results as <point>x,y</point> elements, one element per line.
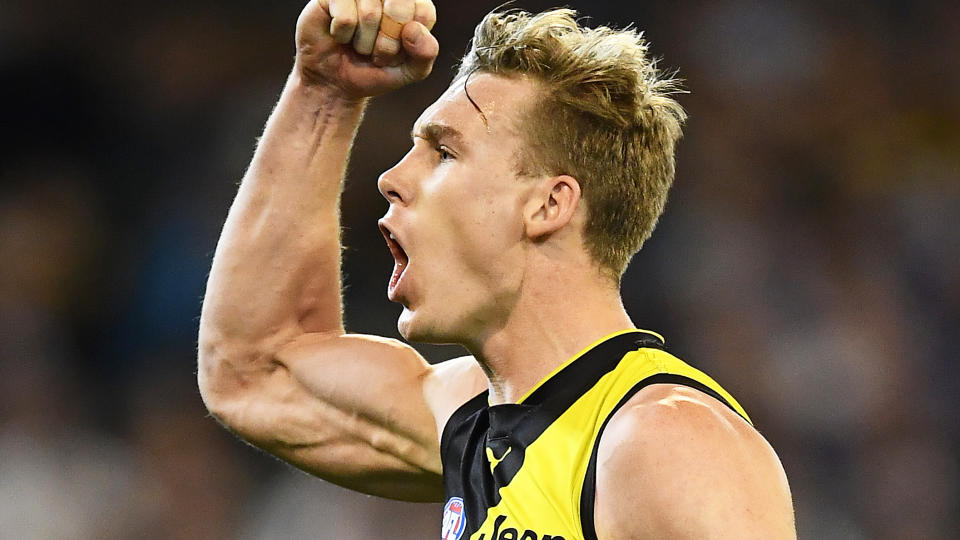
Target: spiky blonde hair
<point>607,118</point>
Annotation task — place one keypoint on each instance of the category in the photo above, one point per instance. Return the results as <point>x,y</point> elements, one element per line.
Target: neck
<point>553,319</point>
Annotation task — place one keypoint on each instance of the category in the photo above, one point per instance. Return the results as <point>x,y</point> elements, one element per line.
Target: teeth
<point>392,237</point>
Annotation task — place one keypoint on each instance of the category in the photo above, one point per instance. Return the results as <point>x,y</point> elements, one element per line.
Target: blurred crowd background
<point>809,258</point>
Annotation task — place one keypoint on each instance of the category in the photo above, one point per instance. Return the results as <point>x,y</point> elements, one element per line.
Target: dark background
<point>809,258</point>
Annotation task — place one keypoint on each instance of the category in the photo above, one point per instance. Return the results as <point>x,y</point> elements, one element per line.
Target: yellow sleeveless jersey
<point>527,470</point>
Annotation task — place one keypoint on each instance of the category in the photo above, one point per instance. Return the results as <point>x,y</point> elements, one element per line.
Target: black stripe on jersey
<point>475,427</point>
<point>465,411</point>
<point>580,375</point>
<point>588,493</point>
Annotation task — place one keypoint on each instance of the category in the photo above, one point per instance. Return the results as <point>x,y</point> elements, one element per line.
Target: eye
<point>444,153</point>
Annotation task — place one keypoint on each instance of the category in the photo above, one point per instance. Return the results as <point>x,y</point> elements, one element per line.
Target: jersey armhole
<point>588,492</point>
<point>463,412</point>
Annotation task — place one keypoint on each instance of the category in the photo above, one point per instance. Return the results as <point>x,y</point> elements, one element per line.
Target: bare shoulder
<point>677,463</point>
<point>451,384</point>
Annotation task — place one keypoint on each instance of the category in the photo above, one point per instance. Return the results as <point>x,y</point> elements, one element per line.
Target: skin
<point>495,262</point>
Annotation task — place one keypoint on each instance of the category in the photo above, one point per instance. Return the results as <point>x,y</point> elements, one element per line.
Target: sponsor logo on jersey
<point>494,460</point>
<point>454,520</point>
<point>510,533</point>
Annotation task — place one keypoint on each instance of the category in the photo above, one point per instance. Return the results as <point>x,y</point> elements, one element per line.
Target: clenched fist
<point>366,47</point>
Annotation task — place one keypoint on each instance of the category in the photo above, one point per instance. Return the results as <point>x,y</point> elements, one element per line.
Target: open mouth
<point>400,259</point>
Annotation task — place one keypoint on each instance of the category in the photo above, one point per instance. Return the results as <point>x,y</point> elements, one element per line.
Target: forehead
<point>501,101</point>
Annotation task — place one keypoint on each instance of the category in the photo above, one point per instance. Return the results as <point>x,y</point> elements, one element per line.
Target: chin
<point>414,327</point>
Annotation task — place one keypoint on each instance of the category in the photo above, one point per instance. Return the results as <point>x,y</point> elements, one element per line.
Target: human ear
<point>551,207</point>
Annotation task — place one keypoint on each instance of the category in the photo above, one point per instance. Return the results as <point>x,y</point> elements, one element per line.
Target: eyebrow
<point>434,133</point>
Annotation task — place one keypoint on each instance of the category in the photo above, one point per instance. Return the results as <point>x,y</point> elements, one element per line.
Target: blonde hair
<point>607,118</point>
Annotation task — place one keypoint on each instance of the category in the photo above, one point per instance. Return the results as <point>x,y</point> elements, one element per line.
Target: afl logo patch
<point>454,520</point>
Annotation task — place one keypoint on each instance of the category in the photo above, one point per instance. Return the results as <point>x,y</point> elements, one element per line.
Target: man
<point>530,183</point>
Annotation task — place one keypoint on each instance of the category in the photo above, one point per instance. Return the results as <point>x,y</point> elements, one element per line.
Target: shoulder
<point>675,462</point>
<point>450,384</point>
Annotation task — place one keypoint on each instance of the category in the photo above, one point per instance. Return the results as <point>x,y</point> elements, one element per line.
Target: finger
<point>396,13</point>
<point>368,16</point>
<point>387,49</point>
<point>425,13</point>
<point>401,11</point>
<point>343,22</point>
<point>421,49</point>
<point>390,27</point>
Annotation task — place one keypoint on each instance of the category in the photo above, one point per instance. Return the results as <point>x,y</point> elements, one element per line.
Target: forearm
<point>276,270</point>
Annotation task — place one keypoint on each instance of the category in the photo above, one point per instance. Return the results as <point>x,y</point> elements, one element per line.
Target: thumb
<point>421,49</point>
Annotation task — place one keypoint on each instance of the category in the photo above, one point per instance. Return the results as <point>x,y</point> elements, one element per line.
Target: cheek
<point>487,233</point>
<point>474,229</point>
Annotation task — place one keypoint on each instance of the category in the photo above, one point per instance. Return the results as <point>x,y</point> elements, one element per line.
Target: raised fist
<point>366,47</point>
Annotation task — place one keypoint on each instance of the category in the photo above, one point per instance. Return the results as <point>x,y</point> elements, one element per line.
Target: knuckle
<point>426,13</point>
<point>370,18</point>
<point>341,27</point>
<point>345,21</point>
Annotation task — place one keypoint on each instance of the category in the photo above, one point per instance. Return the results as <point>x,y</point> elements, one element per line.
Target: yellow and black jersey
<point>527,470</point>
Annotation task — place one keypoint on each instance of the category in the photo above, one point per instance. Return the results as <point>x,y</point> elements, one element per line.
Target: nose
<point>388,188</point>
<point>393,186</point>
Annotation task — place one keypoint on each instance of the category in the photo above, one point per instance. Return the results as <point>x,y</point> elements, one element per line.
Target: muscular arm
<point>275,363</point>
<point>677,464</point>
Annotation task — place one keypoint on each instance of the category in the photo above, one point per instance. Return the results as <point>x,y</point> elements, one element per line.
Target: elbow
<point>213,380</point>
<point>227,372</point>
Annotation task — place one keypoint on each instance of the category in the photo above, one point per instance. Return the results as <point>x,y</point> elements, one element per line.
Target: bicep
<point>351,409</point>
<point>688,468</point>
